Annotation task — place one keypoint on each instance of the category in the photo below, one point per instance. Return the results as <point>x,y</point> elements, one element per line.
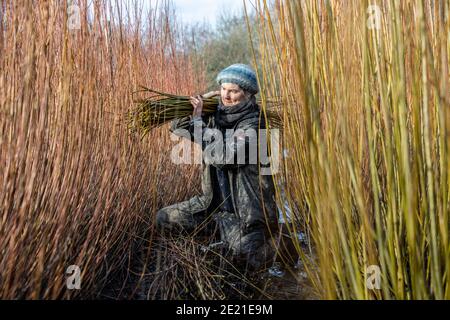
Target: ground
<point>181,268</point>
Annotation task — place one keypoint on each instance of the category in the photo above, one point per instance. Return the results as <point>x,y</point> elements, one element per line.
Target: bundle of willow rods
<point>160,108</point>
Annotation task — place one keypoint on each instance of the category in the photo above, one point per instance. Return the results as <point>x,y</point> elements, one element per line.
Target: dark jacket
<point>254,217</point>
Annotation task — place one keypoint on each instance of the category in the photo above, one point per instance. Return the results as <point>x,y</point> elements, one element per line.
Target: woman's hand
<point>197,103</point>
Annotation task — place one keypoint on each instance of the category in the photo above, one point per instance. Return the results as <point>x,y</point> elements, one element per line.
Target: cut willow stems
<point>160,108</point>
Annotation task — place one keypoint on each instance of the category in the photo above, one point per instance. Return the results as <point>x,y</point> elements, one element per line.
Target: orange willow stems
<point>75,188</point>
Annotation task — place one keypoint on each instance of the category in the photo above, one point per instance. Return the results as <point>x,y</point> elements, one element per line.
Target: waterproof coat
<point>247,229</point>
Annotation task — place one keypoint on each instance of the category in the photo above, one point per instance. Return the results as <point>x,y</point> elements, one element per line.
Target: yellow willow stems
<point>436,280</point>
<point>368,140</point>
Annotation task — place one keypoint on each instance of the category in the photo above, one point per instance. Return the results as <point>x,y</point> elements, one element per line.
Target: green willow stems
<point>160,108</point>
<point>368,140</point>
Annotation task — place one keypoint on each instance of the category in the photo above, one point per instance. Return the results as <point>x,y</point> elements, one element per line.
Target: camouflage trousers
<point>249,249</point>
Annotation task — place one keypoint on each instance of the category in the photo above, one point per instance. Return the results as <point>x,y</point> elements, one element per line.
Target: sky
<point>201,10</point>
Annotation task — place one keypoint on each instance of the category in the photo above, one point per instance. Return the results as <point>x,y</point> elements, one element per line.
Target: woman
<point>235,195</point>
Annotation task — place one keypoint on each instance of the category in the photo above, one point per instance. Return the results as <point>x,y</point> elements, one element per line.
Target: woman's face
<point>231,94</point>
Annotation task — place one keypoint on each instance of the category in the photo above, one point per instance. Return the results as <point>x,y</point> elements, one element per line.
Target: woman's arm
<point>187,123</point>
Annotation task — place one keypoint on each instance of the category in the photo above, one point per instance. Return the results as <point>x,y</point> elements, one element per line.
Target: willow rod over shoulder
<point>160,108</point>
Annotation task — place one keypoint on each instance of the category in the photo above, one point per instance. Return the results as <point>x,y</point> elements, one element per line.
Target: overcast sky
<point>201,10</point>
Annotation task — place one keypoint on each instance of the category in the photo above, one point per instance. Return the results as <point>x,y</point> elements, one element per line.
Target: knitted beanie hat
<point>240,74</point>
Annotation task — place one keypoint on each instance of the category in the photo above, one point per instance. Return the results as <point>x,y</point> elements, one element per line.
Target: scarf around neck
<point>227,117</point>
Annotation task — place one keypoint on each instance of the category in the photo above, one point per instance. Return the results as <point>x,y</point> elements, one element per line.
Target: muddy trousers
<point>249,249</point>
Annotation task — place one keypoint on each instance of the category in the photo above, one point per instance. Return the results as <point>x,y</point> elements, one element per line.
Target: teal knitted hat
<point>240,74</point>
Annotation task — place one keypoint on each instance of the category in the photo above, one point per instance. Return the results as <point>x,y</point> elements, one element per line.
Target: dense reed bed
<point>75,187</point>
<point>367,133</point>
<point>365,94</point>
